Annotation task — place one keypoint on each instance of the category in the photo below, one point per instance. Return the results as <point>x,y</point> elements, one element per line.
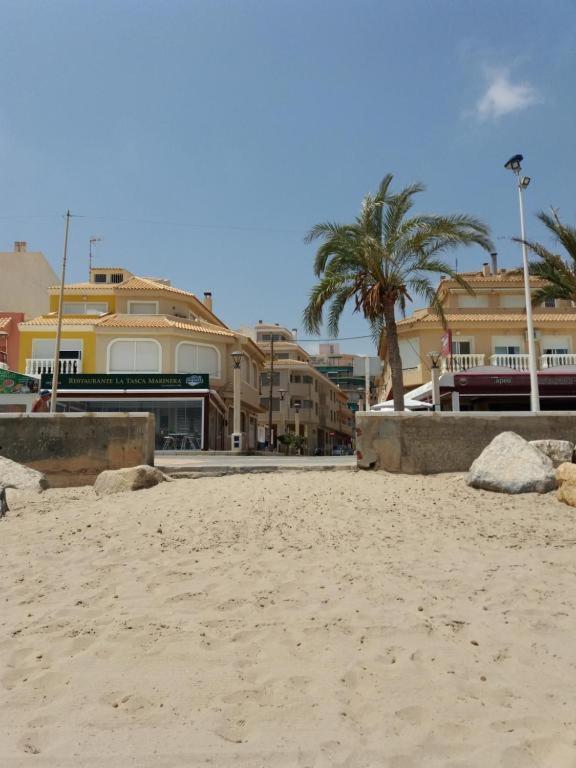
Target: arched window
<point>134,356</point>
<point>197,358</point>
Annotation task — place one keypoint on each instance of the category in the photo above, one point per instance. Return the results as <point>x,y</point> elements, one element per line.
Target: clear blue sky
<point>237,124</point>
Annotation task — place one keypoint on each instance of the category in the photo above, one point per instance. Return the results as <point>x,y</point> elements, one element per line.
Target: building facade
<point>485,336</point>
<point>132,343</point>
<point>304,401</point>
<point>348,372</point>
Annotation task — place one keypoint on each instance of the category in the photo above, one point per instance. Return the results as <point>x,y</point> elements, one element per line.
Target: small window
<point>116,277</point>
<point>295,378</point>
<point>507,350</point>
<point>99,277</point>
<point>84,308</point>
<point>550,303</point>
<point>142,307</point>
<point>307,379</point>
<point>265,379</point>
<point>265,403</point>
<point>283,355</point>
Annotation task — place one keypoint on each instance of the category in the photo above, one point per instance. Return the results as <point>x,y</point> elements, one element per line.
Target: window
<point>116,277</point>
<point>84,308</point>
<point>461,347</point>
<point>513,301</point>
<point>99,277</point>
<point>304,404</point>
<point>550,303</point>
<point>295,378</point>
<point>44,349</point>
<point>555,345</point>
<point>509,349</point>
<point>142,307</point>
<point>468,302</point>
<point>265,379</point>
<point>265,403</point>
<point>307,379</point>
<point>197,358</point>
<point>283,355</point>
<point>134,356</point>
<point>410,353</point>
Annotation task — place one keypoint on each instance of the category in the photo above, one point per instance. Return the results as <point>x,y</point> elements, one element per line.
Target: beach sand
<point>294,619</point>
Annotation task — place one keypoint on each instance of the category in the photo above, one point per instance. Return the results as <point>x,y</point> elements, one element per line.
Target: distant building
<point>347,371</point>
<point>26,277</point>
<point>323,417</point>
<point>9,339</point>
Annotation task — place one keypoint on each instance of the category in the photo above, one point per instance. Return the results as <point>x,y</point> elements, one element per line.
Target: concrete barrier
<point>73,448</point>
<point>428,443</point>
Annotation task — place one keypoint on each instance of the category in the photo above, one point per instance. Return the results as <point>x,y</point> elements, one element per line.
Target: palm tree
<point>383,259</point>
<point>558,274</point>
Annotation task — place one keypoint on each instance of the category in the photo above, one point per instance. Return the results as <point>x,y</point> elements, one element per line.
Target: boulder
<point>559,451</point>
<point>14,475</point>
<point>130,479</point>
<point>566,477</point>
<point>566,473</point>
<point>509,464</point>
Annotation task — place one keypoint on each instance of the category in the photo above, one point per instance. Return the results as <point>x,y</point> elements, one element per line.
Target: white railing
<point>461,362</point>
<point>551,361</point>
<point>518,362</point>
<point>36,366</point>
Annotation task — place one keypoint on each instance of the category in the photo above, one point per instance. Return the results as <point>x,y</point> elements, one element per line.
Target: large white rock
<point>130,479</point>
<point>511,465</point>
<point>559,451</point>
<point>14,475</point>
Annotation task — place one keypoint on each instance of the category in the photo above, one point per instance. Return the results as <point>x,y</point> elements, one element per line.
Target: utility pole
<point>270,438</point>
<point>56,363</point>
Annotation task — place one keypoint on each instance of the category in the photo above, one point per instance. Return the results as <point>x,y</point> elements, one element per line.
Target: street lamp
<point>515,165</point>
<point>435,360</point>
<point>297,405</point>
<point>237,356</point>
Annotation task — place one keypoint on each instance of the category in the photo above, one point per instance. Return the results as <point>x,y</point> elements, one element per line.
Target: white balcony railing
<point>461,362</point>
<point>551,361</point>
<point>518,362</point>
<point>36,366</point>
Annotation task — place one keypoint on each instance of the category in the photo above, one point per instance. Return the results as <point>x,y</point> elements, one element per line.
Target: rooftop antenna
<point>93,239</point>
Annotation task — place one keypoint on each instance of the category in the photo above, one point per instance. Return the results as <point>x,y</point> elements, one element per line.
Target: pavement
<point>195,465</point>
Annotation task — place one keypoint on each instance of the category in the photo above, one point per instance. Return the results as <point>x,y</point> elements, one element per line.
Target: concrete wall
<point>71,449</point>
<point>428,443</point>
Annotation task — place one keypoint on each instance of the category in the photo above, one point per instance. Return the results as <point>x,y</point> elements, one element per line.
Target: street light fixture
<point>435,360</point>
<point>237,356</point>
<point>515,165</point>
<point>282,393</point>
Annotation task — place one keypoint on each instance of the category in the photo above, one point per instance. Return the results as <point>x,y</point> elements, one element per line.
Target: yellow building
<point>487,332</point>
<point>145,338</point>
<point>303,399</point>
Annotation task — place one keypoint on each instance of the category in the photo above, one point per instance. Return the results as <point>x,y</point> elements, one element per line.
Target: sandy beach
<point>313,619</point>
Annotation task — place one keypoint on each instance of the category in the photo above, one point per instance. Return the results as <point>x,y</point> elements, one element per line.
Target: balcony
<point>461,362</point>
<point>552,361</point>
<point>37,366</point>
<point>517,362</point>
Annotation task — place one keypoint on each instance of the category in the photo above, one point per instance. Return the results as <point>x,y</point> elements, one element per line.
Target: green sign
<point>16,383</point>
<point>127,381</point>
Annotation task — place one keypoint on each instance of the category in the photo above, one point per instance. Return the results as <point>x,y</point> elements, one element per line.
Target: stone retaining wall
<point>428,443</point>
<point>71,449</point>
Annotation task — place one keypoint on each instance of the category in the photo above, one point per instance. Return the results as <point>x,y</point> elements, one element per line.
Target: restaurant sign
<point>128,381</point>
<point>16,383</point>
<point>550,384</point>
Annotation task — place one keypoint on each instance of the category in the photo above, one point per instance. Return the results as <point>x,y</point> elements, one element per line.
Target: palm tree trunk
<point>394,358</point>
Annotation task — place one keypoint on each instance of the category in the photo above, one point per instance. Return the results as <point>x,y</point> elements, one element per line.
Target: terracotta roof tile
<point>510,276</point>
<point>490,317</point>
<point>4,322</point>
<point>160,321</point>
<point>53,320</point>
<point>145,284</point>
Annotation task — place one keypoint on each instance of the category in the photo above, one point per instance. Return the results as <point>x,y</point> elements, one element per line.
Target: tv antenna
<point>94,239</point>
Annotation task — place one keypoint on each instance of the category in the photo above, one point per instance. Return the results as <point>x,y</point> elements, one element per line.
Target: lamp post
<point>281,420</point>
<point>515,165</point>
<point>270,426</point>
<point>297,406</point>
<point>435,371</point>
<point>366,383</point>
<point>236,434</point>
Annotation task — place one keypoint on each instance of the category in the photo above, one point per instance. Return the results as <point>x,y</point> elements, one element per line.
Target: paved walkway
<point>225,464</point>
